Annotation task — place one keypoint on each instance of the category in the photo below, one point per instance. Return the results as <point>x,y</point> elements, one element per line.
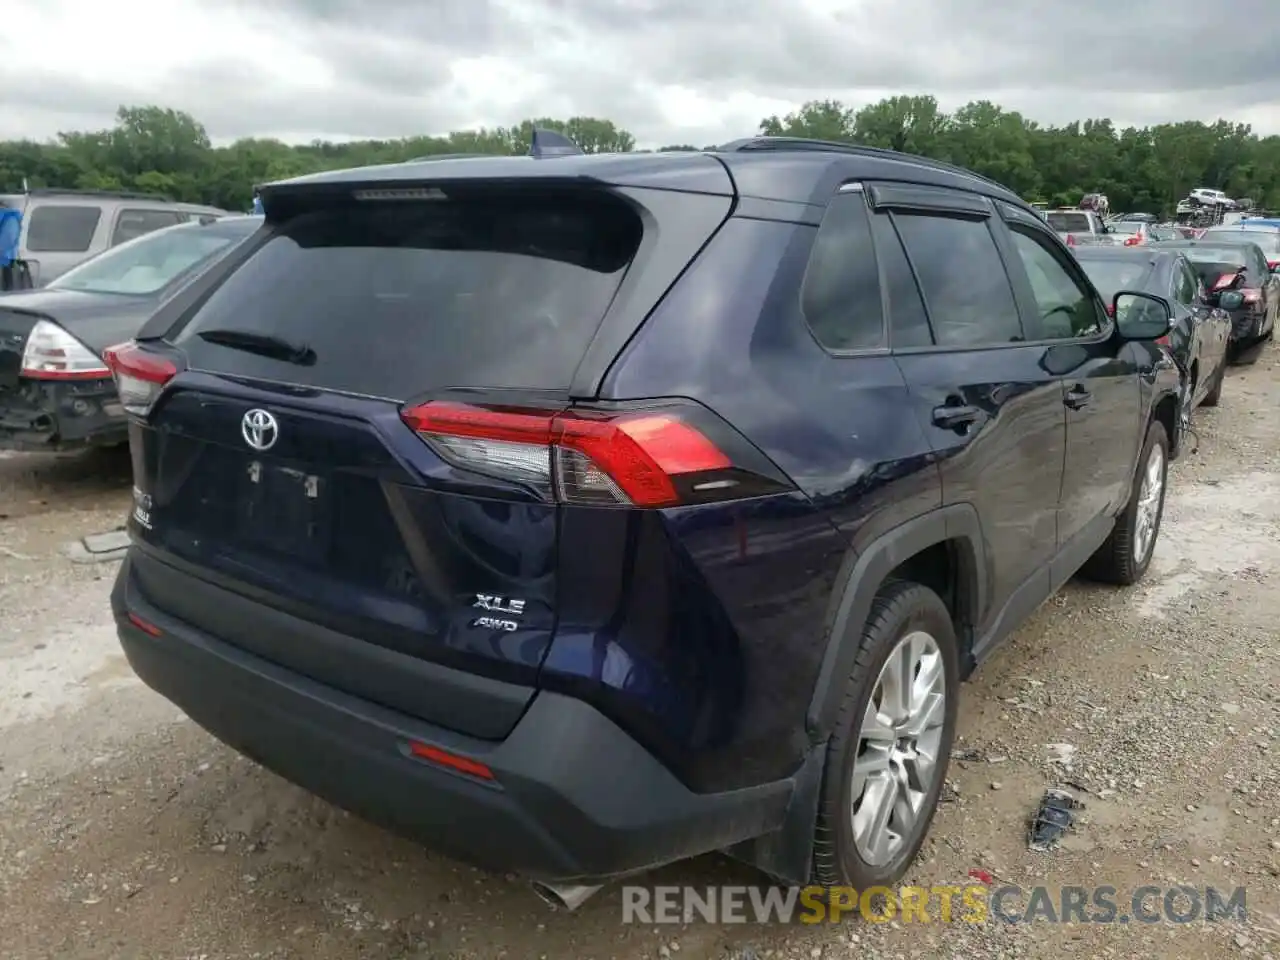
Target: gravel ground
<point>127,832</point>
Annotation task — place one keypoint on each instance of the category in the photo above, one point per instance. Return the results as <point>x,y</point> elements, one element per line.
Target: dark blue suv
<point>579,514</point>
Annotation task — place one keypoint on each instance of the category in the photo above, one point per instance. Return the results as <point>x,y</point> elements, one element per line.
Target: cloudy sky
<point>671,71</point>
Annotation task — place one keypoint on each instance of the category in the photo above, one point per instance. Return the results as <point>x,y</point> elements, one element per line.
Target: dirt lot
<point>127,832</point>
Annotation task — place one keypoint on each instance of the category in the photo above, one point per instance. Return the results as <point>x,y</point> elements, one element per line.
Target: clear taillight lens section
<point>573,456</point>
<point>53,354</point>
<point>140,376</point>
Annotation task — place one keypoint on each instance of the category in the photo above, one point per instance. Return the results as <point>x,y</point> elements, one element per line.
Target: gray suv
<point>63,228</point>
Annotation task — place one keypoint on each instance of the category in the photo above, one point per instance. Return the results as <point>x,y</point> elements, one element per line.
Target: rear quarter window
<point>841,293</point>
<point>54,228</point>
<point>397,298</point>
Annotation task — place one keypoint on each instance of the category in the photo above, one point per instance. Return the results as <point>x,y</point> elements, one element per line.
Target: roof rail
<point>448,156</point>
<point>113,194</point>
<point>857,149</point>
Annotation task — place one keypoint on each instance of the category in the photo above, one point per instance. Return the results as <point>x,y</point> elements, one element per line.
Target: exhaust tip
<point>563,896</point>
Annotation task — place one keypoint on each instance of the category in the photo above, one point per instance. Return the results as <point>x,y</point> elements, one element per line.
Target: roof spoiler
<point>548,143</point>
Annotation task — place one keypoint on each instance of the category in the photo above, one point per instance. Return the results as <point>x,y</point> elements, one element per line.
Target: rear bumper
<point>573,797</point>
<point>58,415</point>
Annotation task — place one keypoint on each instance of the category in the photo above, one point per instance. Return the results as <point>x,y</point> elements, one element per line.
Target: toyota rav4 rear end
<point>390,541</point>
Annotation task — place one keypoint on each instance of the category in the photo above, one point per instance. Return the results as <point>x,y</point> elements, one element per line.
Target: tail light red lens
<point>604,458</point>
<point>450,761</point>
<point>1273,264</point>
<point>1071,240</point>
<point>1111,309</point>
<point>1164,341</point>
<point>140,376</point>
<point>1132,241</point>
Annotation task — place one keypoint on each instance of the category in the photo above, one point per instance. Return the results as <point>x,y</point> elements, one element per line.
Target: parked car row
<point>579,514</point>
<point>1223,286</point>
<point>63,228</point>
<point>56,393</point>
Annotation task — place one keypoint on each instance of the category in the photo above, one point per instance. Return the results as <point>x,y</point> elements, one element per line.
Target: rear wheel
<point>888,755</point>
<point>1126,554</point>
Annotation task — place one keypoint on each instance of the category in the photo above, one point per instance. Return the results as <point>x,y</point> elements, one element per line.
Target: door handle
<point>1078,398</point>
<point>955,417</point>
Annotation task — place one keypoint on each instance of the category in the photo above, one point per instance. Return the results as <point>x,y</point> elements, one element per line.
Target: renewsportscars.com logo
<point>971,903</point>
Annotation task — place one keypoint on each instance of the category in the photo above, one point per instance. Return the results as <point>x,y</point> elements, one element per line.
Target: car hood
<point>98,320</point>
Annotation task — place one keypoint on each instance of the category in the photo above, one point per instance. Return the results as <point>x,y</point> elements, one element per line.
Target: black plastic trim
<point>862,579</point>
<point>576,799</point>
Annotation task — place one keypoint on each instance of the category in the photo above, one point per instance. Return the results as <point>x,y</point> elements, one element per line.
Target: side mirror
<point>1231,300</point>
<point>1142,316</point>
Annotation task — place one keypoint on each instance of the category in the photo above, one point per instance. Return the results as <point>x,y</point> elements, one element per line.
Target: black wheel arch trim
<point>861,577</point>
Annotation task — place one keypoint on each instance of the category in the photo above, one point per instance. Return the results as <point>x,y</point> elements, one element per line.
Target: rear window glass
<point>53,228</point>
<point>1111,276</point>
<point>1269,241</point>
<point>1234,256</point>
<point>1068,222</point>
<point>151,262</point>
<point>1126,226</point>
<point>391,299</point>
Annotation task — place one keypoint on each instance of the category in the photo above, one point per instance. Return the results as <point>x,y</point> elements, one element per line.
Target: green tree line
<point>160,150</point>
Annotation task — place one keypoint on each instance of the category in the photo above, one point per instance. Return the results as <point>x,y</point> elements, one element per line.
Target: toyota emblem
<point>259,429</point>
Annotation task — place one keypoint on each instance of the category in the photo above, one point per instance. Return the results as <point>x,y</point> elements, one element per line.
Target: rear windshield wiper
<point>264,344</point>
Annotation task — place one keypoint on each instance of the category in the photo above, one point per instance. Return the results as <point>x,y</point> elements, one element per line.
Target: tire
<point>1116,561</point>
<point>899,611</point>
<point>1215,392</point>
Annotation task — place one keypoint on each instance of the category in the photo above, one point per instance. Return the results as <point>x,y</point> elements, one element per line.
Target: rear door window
<point>392,299</point>
<point>908,322</point>
<point>55,228</point>
<point>131,224</point>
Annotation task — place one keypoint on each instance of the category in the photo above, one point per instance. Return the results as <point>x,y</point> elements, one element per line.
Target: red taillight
<point>1251,296</point>
<point>140,376</point>
<point>148,628</point>
<point>575,456</point>
<point>1071,240</point>
<point>1225,281</point>
<point>1164,341</point>
<point>1133,241</point>
<point>1273,265</point>
<point>442,758</point>
<point>1111,309</point>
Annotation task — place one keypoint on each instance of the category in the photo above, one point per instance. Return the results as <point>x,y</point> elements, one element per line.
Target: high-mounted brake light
<point>51,353</point>
<point>401,193</point>
<point>140,376</point>
<point>638,458</point>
